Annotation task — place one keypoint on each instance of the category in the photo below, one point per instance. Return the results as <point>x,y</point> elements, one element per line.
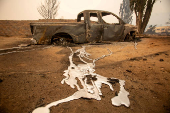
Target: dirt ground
<point>31,76</point>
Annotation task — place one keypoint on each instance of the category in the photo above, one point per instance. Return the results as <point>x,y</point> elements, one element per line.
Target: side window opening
<point>80,18</point>
<point>94,18</point>
<point>109,18</point>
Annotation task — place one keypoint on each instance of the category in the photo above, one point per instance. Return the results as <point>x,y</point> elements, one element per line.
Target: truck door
<point>112,27</point>
<point>94,28</point>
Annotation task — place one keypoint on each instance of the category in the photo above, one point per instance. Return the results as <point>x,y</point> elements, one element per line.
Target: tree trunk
<point>143,19</point>
<point>139,22</point>
<point>147,14</point>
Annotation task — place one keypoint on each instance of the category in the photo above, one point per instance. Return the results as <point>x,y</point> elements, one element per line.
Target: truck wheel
<point>62,41</point>
<point>129,37</point>
<point>133,36</point>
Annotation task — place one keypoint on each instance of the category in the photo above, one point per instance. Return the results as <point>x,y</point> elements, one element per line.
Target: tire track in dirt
<point>23,49</point>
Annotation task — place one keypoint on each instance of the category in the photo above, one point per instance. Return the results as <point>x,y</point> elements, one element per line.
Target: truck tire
<point>130,37</point>
<point>62,41</point>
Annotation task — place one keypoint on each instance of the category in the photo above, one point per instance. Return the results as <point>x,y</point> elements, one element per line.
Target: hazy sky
<point>27,9</point>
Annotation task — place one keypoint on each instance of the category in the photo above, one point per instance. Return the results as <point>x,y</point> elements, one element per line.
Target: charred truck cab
<point>92,26</point>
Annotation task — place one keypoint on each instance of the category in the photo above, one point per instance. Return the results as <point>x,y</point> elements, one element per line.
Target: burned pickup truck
<point>92,26</point>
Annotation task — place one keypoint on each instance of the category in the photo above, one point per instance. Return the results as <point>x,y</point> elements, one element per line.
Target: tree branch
<point>49,9</point>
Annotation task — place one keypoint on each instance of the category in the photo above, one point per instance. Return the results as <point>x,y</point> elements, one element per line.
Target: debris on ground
<point>24,45</point>
<point>135,44</point>
<point>161,60</point>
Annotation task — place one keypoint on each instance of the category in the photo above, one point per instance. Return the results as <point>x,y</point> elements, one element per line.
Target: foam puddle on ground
<point>90,81</point>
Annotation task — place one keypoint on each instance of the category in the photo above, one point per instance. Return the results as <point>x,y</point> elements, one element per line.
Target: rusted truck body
<point>89,28</point>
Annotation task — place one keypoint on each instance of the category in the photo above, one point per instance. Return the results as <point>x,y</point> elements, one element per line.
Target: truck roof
<point>100,11</point>
<point>94,11</point>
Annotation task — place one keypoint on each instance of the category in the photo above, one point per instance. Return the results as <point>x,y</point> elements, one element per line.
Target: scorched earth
<point>30,77</point>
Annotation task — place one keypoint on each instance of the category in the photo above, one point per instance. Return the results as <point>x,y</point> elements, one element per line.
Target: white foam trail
<point>90,81</point>
<point>122,97</point>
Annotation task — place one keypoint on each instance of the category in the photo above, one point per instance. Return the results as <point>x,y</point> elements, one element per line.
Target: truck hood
<point>132,27</point>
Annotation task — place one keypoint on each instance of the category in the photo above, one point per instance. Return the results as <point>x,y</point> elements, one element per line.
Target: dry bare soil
<point>30,77</point>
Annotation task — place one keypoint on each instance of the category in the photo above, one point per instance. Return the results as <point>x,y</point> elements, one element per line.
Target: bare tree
<point>49,9</point>
<point>125,12</point>
<point>143,10</point>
